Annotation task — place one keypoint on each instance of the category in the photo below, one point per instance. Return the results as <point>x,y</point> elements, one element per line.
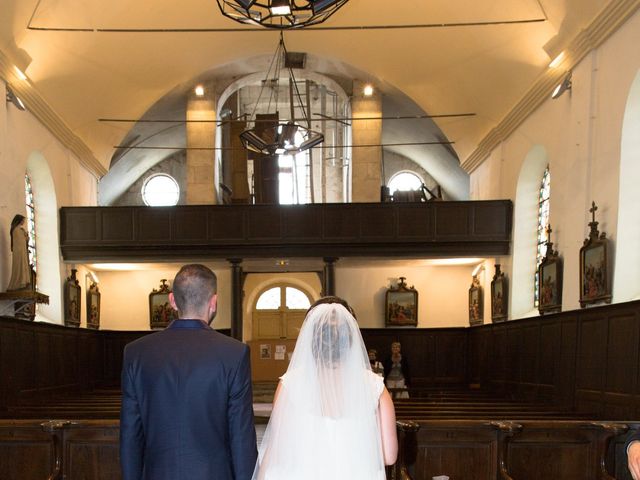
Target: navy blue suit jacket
<point>187,406</point>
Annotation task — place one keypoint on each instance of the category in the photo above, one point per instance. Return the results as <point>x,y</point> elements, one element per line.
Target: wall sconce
<point>479,268</point>
<point>562,86</point>
<point>13,98</point>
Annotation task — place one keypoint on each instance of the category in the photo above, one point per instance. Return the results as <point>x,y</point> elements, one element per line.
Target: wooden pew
<point>506,450</point>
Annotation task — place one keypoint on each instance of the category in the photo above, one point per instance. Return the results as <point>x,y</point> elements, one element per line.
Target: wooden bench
<point>507,450</point>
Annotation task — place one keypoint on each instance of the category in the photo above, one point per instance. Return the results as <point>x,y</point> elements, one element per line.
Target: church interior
<point>462,173</point>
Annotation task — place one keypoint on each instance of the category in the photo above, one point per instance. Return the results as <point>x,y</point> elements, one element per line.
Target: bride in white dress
<point>332,416</point>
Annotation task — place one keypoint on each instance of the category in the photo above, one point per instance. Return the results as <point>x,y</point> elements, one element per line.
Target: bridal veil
<point>325,422</point>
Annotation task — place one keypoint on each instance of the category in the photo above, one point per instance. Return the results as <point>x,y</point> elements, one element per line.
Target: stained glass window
<point>543,223</point>
<point>31,220</point>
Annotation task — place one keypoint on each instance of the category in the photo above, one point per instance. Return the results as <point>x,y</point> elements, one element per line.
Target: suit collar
<point>188,323</point>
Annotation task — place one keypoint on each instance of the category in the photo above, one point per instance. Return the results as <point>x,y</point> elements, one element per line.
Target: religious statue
<point>21,272</point>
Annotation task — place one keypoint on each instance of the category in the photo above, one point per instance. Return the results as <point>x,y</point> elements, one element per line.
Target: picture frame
<point>476,310</point>
<point>401,305</point>
<point>550,281</point>
<point>93,307</point>
<point>161,313</point>
<point>72,300</point>
<point>265,351</point>
<point>499,296</point>
<point>595,276</point>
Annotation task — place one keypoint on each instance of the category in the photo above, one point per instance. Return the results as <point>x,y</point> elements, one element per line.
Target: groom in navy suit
<point>187,407</point>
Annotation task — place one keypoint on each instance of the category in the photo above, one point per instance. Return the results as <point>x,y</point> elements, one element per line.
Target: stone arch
<point>47,242</point>
<point>626,283</point>
<point>525,233</point>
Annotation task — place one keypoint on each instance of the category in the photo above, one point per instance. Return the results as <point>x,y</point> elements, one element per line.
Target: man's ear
<point>172,301</point>
<point>213,303</point>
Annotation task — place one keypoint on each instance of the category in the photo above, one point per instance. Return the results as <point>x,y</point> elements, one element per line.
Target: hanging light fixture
<point>280,14</point>
<point>269,135</point>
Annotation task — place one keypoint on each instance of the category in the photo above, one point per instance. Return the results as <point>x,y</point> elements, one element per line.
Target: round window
<point>404,181</point>
<point>160,190</point>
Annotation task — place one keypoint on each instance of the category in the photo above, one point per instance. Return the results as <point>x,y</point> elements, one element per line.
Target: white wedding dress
<point>325,422</point>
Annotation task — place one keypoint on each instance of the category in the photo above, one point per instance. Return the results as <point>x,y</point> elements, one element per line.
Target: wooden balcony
<point>390,230</point>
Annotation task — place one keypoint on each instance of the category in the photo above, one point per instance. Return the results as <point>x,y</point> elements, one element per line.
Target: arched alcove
<point>47,243</point>
<point>626,283</point>
<point>525,233</point>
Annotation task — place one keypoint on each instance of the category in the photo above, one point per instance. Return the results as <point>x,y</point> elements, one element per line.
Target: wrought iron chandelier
<point>280,14</point>
<point>269,135</point>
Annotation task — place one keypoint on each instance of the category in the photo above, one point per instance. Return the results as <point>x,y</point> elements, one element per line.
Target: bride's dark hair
<point>333,299</point>
<point>332,339</point>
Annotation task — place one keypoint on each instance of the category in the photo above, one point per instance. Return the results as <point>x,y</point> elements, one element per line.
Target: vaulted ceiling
<point>91,59</point>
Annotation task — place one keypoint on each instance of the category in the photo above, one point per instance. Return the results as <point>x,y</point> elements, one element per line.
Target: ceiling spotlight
<point>199,90</point>
<point>562,86</point>
<point>368,90</point>
<point>13,98</point>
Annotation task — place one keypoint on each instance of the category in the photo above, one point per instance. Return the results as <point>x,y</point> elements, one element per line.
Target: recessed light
<point>199,90</point>
<point>368,90</point>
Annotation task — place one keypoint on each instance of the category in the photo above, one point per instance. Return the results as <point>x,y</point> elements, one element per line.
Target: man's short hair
<point>193,287</point>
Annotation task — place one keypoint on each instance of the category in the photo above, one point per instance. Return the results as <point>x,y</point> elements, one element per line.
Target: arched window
<point>31,221</point>
<point>543,224</point>
<point>160,190</point>
<point>404,181</point>
<point>289,297</point>
<point>279,312</point>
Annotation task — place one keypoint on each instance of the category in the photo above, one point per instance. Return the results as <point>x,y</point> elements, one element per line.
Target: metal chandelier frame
<point>271,137</point>
<point>280,14</point>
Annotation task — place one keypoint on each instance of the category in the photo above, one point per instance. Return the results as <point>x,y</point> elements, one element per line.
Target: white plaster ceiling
<point>481,69</point>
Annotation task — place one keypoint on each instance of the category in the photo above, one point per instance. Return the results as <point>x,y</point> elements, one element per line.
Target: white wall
<point>124,297</point>
<point>581,133</point>
<point>442,292</point>
<point>22,138</point>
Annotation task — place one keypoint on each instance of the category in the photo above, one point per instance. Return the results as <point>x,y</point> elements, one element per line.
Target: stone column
<point>236,298</point>
<point>201,175</point>
<point>366,176</point>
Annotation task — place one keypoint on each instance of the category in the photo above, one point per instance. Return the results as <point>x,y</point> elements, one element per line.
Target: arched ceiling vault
<point>90,59</point>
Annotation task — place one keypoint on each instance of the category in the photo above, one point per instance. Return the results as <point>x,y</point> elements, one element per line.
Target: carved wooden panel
<point>26,452</point>
<point>377,223</point>
<point>225,224</point>
<point>464,453</point>
<point>340,223</point>
<point>117,224</point>
<point>190,225</point>
<point>488,219</point>
<point>555,452</point>
<point>91,452</point>
<point>452,220</point>
<point>302,223</point>
<point>154,224</point>
<point>264,223</point>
